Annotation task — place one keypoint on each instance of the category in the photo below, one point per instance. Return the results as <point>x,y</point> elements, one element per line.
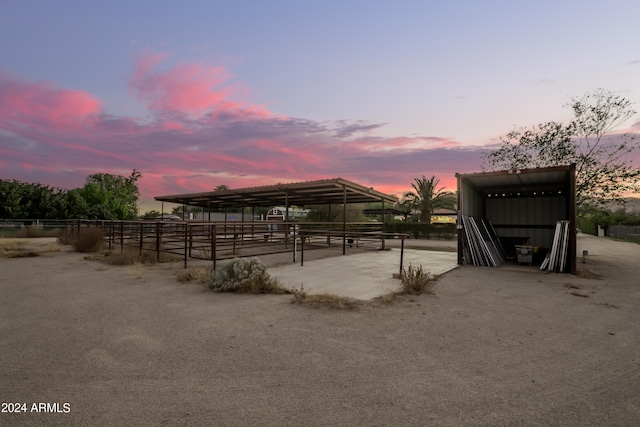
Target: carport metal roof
<point>518,183</point>
<point>326,191</point>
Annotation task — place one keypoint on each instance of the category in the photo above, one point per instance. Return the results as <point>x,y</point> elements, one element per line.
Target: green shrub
<point>422,229</point>
<point>88,239</point>
<point>244,275</point>
<point>416,281</point>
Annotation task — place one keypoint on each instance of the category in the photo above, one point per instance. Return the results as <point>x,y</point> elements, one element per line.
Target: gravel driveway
<point>97,345</point>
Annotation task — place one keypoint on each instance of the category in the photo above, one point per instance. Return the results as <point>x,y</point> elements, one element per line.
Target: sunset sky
<point>195,94</point>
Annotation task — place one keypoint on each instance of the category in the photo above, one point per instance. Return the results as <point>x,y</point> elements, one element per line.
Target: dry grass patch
<point>131,256</point>
<point>200,275</point>
<point>10,246</point>
<point>13,248</point>
<point>301,296</point>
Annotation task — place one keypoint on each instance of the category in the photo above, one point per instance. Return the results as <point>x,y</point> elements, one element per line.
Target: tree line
<point>104,196</point>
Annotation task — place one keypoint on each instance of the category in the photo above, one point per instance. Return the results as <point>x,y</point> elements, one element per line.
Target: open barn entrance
<point>528,215</point>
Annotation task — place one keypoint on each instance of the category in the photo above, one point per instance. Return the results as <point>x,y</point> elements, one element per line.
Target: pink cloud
<point>173,125</point>
<point>202,133</point>
<point>191,88</point>
<point>43,106</point>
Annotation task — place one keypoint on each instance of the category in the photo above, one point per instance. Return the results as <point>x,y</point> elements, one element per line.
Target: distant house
<point>444,216</point>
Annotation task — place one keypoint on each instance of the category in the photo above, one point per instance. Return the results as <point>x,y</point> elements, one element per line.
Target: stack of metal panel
<point>557,258</point>
<point>482,247</point>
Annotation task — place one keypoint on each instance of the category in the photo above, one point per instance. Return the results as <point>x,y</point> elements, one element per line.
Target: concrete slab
<point>362,276</point>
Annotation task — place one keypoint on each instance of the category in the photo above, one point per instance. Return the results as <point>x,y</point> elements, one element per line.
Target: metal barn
<point>522,205</point>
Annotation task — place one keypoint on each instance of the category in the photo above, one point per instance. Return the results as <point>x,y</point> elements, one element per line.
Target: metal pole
<point>242,223</point>
<point>383,237</point>
<point>295,242</point>
<point>344,220</point>
<point>401,255</point>
<point>214,237</point>
<point>186,238</point>
<point>329,234</point>
<point>158,240</point>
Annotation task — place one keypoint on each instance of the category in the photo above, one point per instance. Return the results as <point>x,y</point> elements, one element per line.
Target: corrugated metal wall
<point>541,213</point>
<point>471,203</point>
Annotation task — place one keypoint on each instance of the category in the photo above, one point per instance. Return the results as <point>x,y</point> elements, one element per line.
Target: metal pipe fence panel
<point>215,241</point>
<point>625,232</point>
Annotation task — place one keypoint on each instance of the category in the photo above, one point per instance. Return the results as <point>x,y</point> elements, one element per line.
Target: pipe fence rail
<point>216,241</point>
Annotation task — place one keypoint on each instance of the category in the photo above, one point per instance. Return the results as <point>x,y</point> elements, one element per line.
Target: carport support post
<point>242,223</point>
<point>459,228</point>
<point>213,245</point>
<point>141,237</point>
<point>344,219</point>
<point>572,219</point>
<point>329,234</point>
<point>186,242</point>
<point>383,230</point>
<point>401,255</point>
<point>225,222</point>
<point>253,218</point>
<point>286,221</point>
<point>158,241</point>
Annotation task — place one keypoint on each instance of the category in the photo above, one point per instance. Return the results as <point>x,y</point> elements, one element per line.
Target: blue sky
<point>243,93</point>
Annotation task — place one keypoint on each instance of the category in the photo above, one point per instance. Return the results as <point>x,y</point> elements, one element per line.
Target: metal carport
<point>326,191</point>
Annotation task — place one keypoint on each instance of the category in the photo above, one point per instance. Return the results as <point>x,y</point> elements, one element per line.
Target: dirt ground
<point>505,346</point>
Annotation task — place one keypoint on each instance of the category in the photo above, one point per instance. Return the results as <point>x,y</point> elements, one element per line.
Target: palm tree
<point>426,197</point>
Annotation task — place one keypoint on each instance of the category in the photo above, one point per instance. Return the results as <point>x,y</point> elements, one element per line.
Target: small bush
<point>89,239</point>
<point>415,281</point>
<point>244,275</point>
